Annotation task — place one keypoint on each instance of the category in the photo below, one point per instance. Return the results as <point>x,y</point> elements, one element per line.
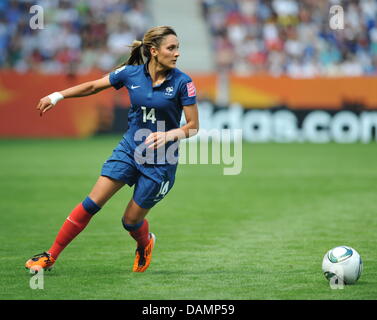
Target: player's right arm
<point>81,90</point>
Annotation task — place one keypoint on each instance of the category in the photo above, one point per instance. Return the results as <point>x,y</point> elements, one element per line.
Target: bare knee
<point>129,220</point>
<point>104,189</point>
<point>134,213</point>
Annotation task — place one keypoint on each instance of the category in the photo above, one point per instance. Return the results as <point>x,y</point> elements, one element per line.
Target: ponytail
<point>136,56</point>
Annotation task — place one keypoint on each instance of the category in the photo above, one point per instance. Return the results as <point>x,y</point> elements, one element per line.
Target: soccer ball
<point>344,263</point>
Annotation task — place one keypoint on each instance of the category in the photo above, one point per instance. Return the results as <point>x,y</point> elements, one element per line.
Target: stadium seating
<point>290,37</point>
<point>77,36</point>
<point>247,37</point>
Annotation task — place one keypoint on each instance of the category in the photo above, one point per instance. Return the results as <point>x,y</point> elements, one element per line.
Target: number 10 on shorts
<point>163,189</point>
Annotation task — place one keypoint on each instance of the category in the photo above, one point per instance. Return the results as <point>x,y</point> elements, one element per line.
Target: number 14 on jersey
<point>151,115</point>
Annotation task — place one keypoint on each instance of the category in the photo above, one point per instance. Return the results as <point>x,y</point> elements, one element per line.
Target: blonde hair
<point>152,38</point>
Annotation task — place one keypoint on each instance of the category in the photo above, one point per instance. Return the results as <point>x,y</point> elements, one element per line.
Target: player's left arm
<point>158,139</point>
<point>190,128</point>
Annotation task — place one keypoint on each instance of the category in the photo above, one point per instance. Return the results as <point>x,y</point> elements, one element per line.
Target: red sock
<point>141,235</point>
<point>73,225</point>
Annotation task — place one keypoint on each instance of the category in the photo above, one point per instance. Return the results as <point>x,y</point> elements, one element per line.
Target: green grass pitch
<point>258,235</point>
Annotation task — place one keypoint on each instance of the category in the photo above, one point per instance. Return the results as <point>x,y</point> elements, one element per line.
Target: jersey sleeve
<point>187,93</point>
<point>117,77</point>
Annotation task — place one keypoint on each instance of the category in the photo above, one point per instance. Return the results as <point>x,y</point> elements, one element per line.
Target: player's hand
<point>44,105</point>
<point>156,140</point>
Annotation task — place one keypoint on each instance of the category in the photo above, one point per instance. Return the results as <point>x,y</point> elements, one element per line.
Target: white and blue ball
<point>344,263</point>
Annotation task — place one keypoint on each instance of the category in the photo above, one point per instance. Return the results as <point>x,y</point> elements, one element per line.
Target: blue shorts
<point>152,182</point>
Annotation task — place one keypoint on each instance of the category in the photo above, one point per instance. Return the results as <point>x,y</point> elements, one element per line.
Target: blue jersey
<point>153,108</point>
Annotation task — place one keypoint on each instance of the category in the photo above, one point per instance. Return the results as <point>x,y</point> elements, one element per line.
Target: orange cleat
<point>144,255</point>
<point>41,260</point>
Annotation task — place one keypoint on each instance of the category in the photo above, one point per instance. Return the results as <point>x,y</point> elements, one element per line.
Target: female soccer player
<point>147,154</point>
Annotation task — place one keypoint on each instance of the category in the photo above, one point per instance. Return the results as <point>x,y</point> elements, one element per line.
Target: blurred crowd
<point>290,37</point>
<point>77,35</point>
<point>279,37</point>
